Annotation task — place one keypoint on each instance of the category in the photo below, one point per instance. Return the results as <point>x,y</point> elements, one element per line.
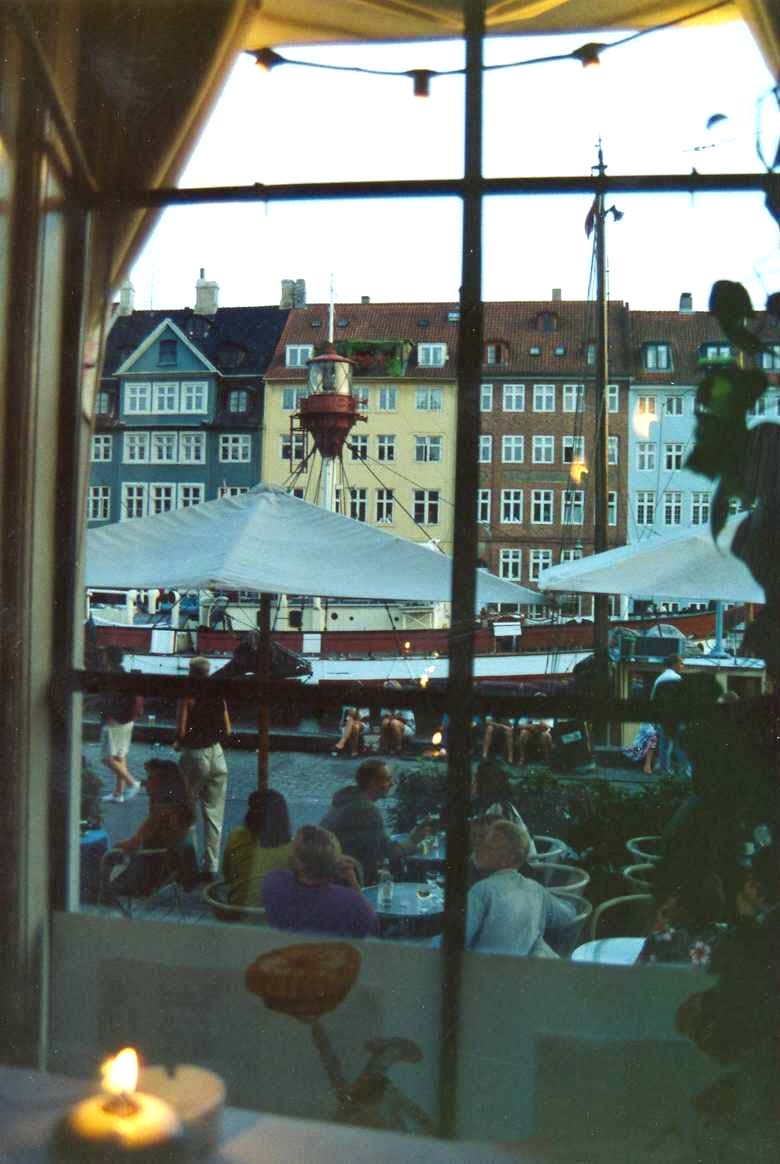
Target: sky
<point>649,102</point>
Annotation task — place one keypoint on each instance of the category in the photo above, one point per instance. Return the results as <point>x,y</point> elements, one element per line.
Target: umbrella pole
<point>263,676</point>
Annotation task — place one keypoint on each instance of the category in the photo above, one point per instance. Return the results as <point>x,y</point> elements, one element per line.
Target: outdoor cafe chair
<point>648,850</point>
<point>558,878</point>
<point>640,878</point>
<point>215,896</point>
<point>629,916</point>
<point>565,938</point>
<point>159,883</point>
<point>548,849</point>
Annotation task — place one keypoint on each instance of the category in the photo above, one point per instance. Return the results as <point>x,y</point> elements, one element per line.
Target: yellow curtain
<point>763,19</point>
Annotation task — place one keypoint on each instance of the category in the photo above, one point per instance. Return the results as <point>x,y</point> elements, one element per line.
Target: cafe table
<point>429,854</point>
<point>415,910</point>
<point>609,951</point>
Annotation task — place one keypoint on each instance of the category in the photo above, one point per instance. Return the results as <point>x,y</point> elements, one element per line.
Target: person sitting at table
<point>322,894</point>
<point>492,799</point>
<point>354,724</point>
<point>397,725</point>
<point>262,843</point>
<point>538,730</point>
<point>359,825</point>
<point>167,828</point>
<point>503,730</point>
<point>687,925</point>
<point>508,913</point>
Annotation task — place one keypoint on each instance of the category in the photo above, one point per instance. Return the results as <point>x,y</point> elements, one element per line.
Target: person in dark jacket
<point>359,826</point>
<point>202,723</point>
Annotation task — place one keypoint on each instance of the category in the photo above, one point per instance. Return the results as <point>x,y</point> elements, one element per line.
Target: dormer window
<point>546,321</point>
<point>297,355</point>
<point>168,353</point>
<point>590,354</point>
<point>560,350</point>
<point>770,358</point>
<point>431,355</point>
<point>495,354</point>
<point>103,404</point>
<point>656,357</point>
<point>534,351</point>
<point>238,400</point>
<point>716,353</point>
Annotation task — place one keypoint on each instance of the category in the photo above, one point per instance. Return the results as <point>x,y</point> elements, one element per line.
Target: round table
<point>407,914</point>
<point>609,951</point>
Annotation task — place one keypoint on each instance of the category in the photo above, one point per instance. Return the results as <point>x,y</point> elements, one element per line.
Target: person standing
<point>202,723</point>
<point>664,689</point>
<point>117,715</point>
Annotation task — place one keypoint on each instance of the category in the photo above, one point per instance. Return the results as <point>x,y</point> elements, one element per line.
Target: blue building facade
<point>180,407</point>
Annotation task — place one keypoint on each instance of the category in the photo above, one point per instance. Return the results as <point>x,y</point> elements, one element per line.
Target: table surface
<point>406,903</point>
<point>609,951</point>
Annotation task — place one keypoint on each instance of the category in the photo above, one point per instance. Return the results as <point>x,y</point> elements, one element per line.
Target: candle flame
<point>436,739</point>
<point>120,1074</point>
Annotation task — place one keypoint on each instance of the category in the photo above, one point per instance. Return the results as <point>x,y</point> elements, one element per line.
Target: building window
<point>645,406</point>
<point>573,506</point>
<point>358,504</point>
<point>542,507</point>
<point>99,503</point>
<point>194,396</point>
<point>645,455</point>
<point>426,506</point>
<point>133,501</point>
<point>191,495</point>
<point>573,397</point>
<point>166,397</point>
<point>384,506</point>
<point>672,508</point>
<point>238,400</point>
<point>485,448</point>
<point>613,450</point>
<point>535,350</point>
<point>235,447</point>
<point>511,506</point>
<point>135,447</point>
<point>364,397</point>
<point>138,398</point>
<point>494,354</point>
<point>700,508</point>
<point>240,490</point>
<point>164,448</point>
<point>571,555</point>
<point>538,560</point>
<point>298,355</point>
<point>770,358</point>
<point>544,398</point>
<point>168,352</point>
<point>613,398</point>
<point>645,507</point>
<point>161,498</point>
<point>428,399</point>
<point>560,350</point>
<point>716,352</point>
<point>590,354</point>
<point>573,450</point>
<point>292,397</point>
<point>512,449</point>
<point>486,398</point>
<point>656,357</point>
<point>673,455</point>
<point>514,397</point>
<point>103,404</point>
<point>102,447</point>
<point>510,564</point>
<point>358,447</point>
<point>611,508</point>
<point>483,506</point>
<point>292,446</point>
<point>431,355</point>
<point>388,400</point>
<point>543,450</point>
<point>673,405</point>
<point>428,448</point>
<point>192,448</point>
<point>385,447</point>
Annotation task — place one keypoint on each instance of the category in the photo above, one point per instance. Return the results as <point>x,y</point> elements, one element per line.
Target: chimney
<point>126,298</point>
<point>556,294</point>
<point>206,295</point>
<point>299,293</point>
<point>365,298</point>
<point>288,293</point>
<point>686,301</point>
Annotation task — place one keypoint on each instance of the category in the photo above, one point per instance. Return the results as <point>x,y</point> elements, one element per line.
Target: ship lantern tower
<point>329,413</point>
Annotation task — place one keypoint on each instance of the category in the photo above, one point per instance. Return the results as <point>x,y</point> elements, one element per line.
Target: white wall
<point>542,1043</point>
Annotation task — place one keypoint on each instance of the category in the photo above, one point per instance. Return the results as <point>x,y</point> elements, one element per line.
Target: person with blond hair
<point>202,724</point>
<point>322,894</point>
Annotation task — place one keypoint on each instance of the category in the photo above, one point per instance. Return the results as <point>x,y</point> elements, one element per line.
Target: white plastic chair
<point>640,878</point>
<point>548,849</point>
<point>561,878</point>
<point>215,896</point>
<point>647,850</point>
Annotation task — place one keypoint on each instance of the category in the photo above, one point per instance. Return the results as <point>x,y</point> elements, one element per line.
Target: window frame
<point>484,505</point>
<point>535,566</point>
<point>427,444</point>
<point>542,501</point>
<point>573,397</point>
<point>545,393</point>
<point>194,397</point>
<point>431,354</point>
<point>538,437</point>
<point>241,440</point>
<point>512,438</point>
<point>384,498</point>
<point>432,398</point>
<point>513,393</point>
<point>105,442</point>
<point>293,357</point>
<point>511,502</point>
<point>99,496</point>
<point>507,557</point>
<point>385,443</point>
<point>198,439</point>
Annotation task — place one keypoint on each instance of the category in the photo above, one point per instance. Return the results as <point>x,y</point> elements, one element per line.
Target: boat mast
<point>601,459</point>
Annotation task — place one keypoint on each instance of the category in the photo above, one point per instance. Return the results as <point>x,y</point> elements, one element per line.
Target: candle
<point>123,1124</point>
<point>196,1095</point>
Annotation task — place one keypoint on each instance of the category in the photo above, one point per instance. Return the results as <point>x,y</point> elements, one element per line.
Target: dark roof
<point>685,332</point>
<point>514,325</point>
<point>230,332</point>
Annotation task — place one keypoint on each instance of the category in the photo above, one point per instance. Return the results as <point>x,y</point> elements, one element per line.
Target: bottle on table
<point>384,896</point>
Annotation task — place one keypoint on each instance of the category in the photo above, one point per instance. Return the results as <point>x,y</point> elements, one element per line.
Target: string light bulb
<point>267,59</point>
<point>421,81</point>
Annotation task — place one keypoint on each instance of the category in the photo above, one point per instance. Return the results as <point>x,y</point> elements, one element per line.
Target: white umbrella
<point>685,565</point>
<point>270,541</point>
